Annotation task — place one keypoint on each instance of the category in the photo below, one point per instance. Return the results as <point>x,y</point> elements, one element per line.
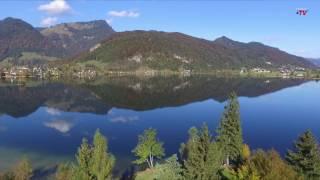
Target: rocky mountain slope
<point>19,39</point>
<point>77,37</point>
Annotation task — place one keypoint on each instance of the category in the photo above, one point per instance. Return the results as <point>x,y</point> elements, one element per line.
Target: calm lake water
<point>46,121</point>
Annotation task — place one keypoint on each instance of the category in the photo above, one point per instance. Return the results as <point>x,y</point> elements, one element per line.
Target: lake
<point>46,120</point>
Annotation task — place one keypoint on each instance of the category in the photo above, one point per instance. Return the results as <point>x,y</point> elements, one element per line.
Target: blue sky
<point>274,23</point>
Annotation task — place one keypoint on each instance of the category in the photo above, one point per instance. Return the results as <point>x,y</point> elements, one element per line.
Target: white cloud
<point>123,119</point>
<point>59,125</point>
<point>53,112</point>
<point>49,21</point>
<point>109,21</point>
<point>124,13</point>
<point>55,7</point>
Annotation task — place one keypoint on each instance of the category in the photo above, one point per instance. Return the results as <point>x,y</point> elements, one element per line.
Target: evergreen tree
<point>101,162</point>
<point>93,162</point>
<point>230,132</point>
<point>148,148</point>
<point>244,171</point>
<point>306,157</point>
<point>83,160</point>
<point>23,170</point>
<point>169,170</point>
<point>201,157</point>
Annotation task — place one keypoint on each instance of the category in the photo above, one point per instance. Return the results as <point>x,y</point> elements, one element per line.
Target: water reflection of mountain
<point>155,92</point>
<point>130,92</point>
<point>18,101</point>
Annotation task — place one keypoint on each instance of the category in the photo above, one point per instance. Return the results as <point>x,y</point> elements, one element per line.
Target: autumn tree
<point>261,165</point>
<point>148,148</point>
<point>243,171</point>
<point>270,166</point>
<point>7,175</point>
<point>230,131</point>
<point>64,171</point>
<point>23,170</point>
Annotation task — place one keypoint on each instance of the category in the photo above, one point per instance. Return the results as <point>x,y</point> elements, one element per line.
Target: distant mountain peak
<point>256,43</point>
<point>227,42</point>
<point>62,40</point>
<point>76,37</point>
<point>315,61</point>
<point>17,36</point>
<point>9,19</point>
<point>223,38</point>
<point>13,22</point>
<point>82,25</point>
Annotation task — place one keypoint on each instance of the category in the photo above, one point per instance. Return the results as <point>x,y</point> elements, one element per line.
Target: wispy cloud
<point>124,13</point>
<point>55,7</point>
<point>49,21</point>
<point>124,119</point>
<point>59,125</point>
<point>53,112</point>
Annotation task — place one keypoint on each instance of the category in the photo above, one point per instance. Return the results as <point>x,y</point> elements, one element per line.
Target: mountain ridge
<point>76,37</point>
<point>315,61</point>
<point>18,37</point>
<point>172,50</point>
<point>96,40</point>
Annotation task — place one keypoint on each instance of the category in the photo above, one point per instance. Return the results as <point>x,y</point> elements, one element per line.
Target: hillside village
<point>42,72</point>
<point>46,72</point>
<point>284,71</point>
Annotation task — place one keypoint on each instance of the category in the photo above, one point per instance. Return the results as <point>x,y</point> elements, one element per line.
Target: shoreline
<point>308,75</point>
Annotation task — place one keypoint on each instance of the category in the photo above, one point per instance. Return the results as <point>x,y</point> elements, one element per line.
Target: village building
<point>260,70</point>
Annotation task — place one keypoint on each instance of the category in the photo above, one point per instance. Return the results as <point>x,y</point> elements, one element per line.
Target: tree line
<point>202,157</point>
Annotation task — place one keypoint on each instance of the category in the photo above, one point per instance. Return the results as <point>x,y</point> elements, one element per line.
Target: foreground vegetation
<point>202,157</point>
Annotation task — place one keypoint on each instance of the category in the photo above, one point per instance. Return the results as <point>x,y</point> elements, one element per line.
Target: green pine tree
<point>171,169</point>
<point>201,157</point>
<point>148,148</point>
<point>101,162</point>
<point>94,162</point>
<point>83,160</point>
<point>230,132</point>
<point>306,156</point>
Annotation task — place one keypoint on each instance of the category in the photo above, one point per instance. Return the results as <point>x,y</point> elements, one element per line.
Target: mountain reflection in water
<point>46,120</point>
<point>131,93</point>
